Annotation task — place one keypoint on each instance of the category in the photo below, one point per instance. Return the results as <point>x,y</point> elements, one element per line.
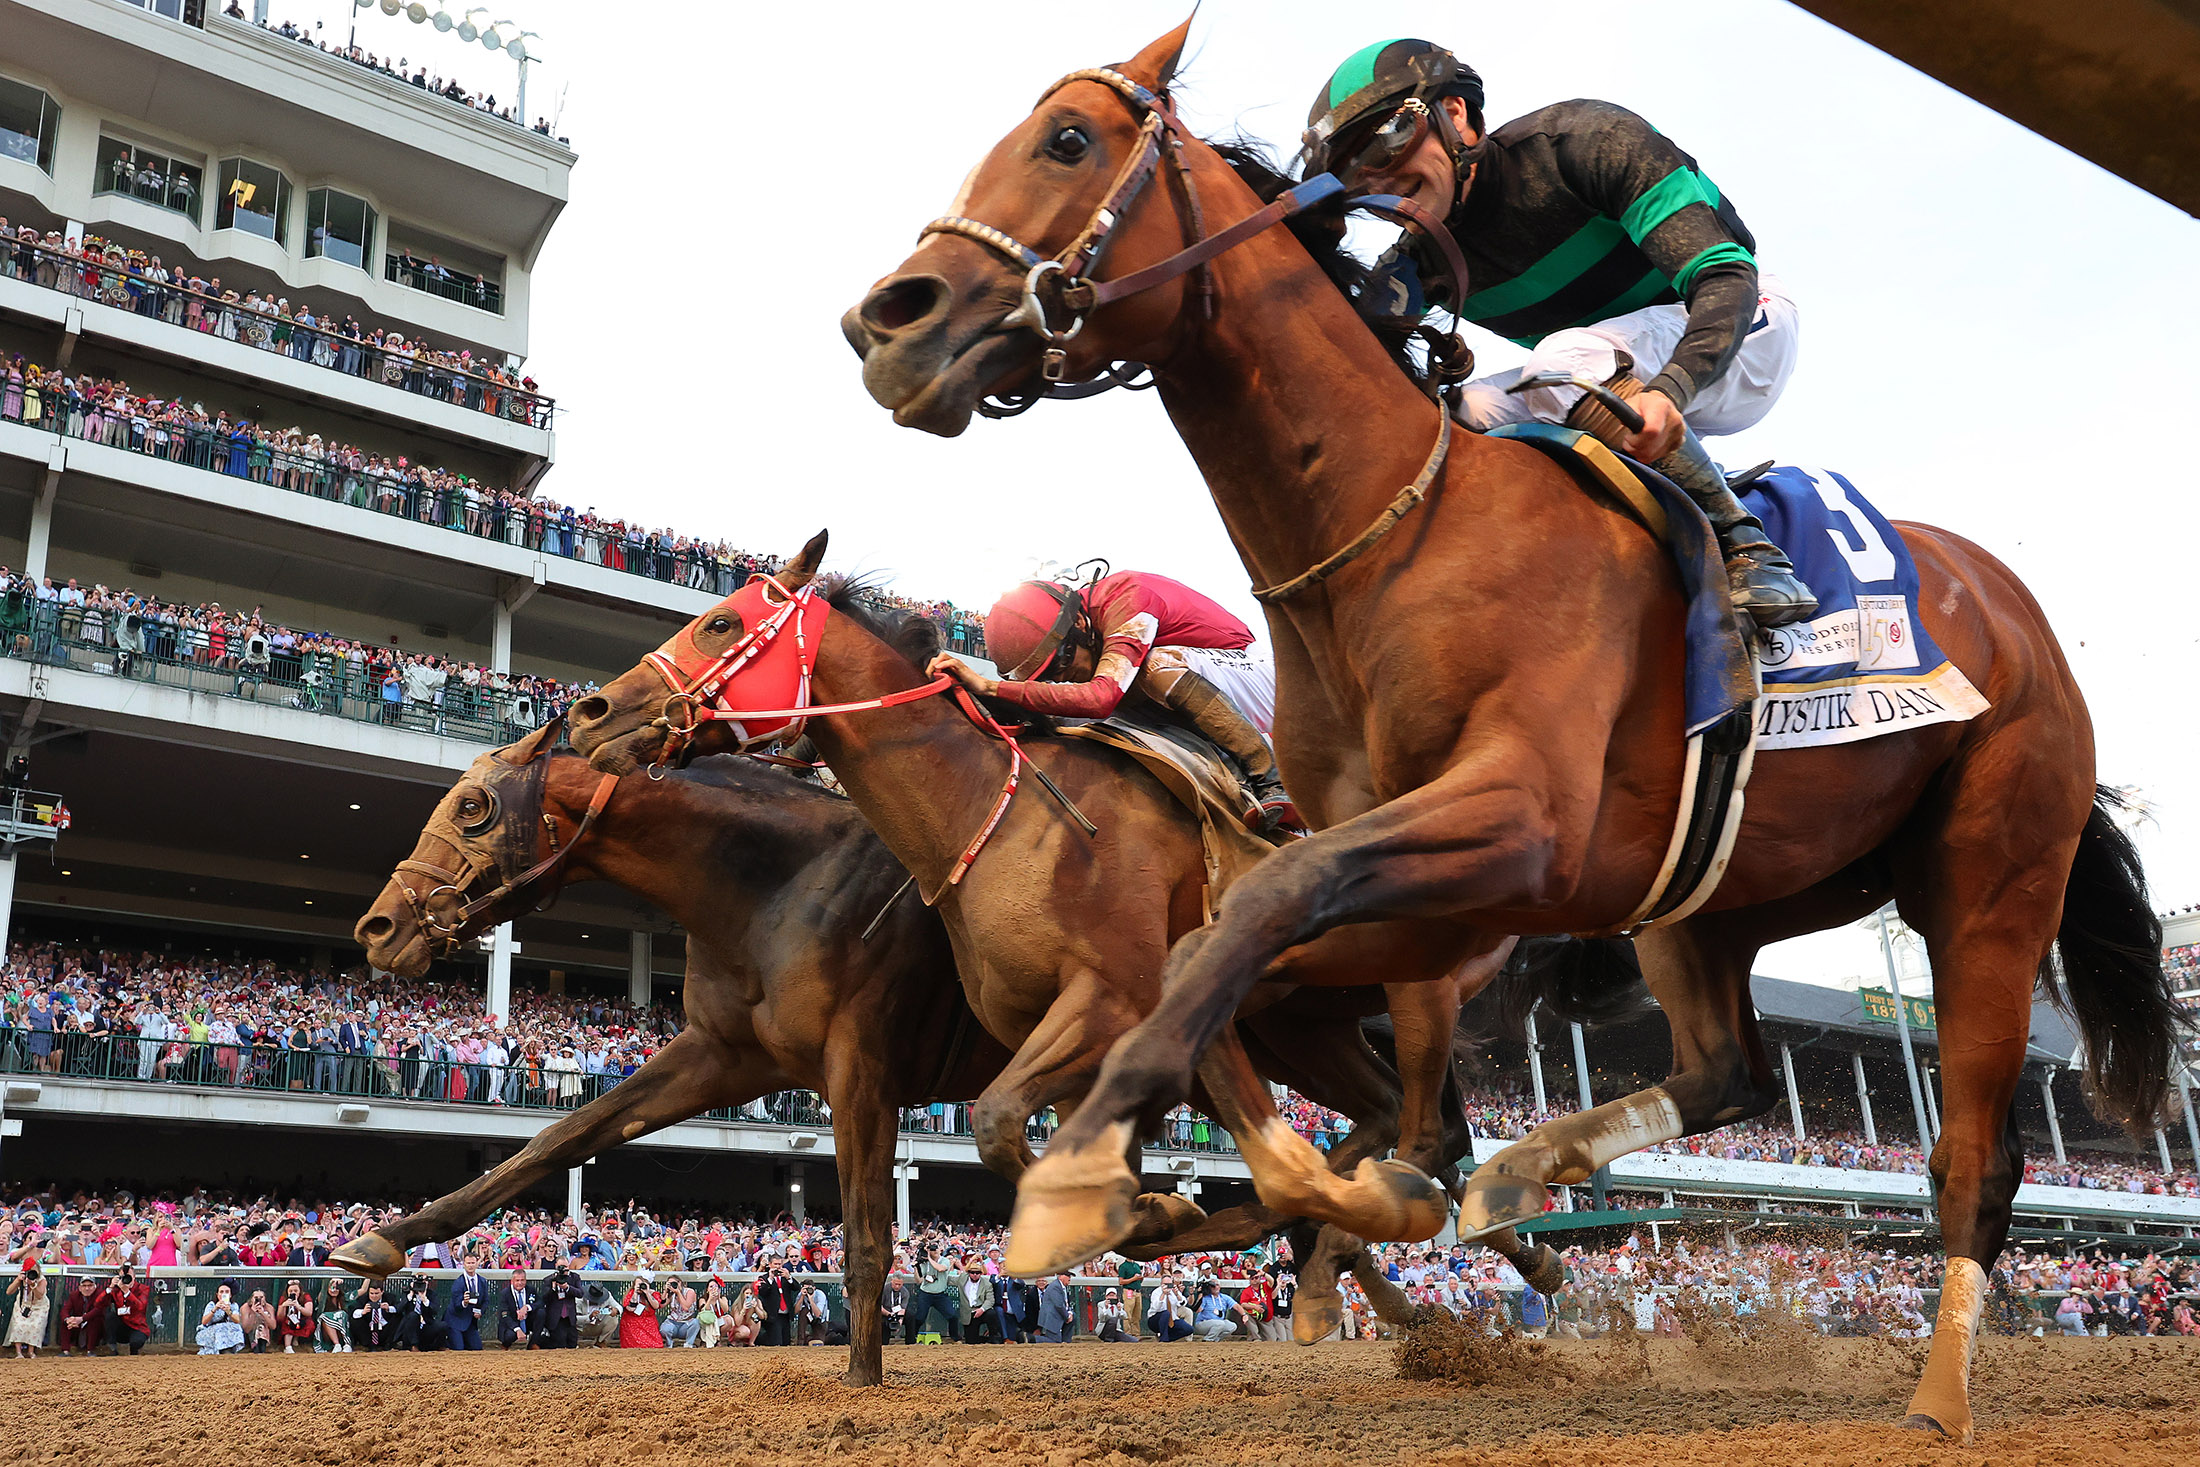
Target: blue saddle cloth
<point>1865,664</point>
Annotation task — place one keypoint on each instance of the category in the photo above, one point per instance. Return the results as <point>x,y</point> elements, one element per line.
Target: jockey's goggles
<point>1393,138</point>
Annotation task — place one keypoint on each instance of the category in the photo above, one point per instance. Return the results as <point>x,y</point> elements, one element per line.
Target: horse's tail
<point>2106,973</point>
<point>1581,980</point>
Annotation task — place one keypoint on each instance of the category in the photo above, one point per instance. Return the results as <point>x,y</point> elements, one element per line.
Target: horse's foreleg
<point>865,1126</point>
<point>1472,838</point>
<point>1699,973</point>
<point>688,1076</point>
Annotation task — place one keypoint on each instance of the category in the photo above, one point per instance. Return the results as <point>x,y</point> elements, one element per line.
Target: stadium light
<point>467,30</point>
<point>442,20</point>
<point>391,7</point>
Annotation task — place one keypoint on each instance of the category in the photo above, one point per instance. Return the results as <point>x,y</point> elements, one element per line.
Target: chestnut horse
<point>1482,712</point>
<point>1061,936</point>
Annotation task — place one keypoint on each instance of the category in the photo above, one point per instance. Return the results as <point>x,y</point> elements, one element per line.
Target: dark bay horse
<point>775,881</point>
<point>1489,750</point>
<point>1061,936</point>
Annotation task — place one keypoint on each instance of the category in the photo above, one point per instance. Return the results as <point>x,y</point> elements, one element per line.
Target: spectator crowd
<point>637,1278</point>
<point>132,635</point>
<point>134,280</point>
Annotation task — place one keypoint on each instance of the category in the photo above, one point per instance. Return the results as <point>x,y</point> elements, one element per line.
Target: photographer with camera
<point>557,1311</point>
<point>939,1290</point>
<point>375,1323</point>
<point>294,1317</point>
<point>775,1295</point>
<point>129,1311</point>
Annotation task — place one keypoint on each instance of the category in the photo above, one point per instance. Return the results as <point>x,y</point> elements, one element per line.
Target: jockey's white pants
<point>1735,400</point>
<point>1245,675</point>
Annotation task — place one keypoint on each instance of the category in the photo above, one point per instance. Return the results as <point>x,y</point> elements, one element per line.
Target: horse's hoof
<point>1055,1229</point>
<point>1541,1267</point>
<point>1498,1200</point>
<point>1156,1217</point>
<point>372,1256</point>
<point>1413,1207</point>
<point>1315,1320</point>
<point>1919,1421</point>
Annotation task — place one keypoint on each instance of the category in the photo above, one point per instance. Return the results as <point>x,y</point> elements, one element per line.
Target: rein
<point>1075,291</point>
<point>701,694</point>
<point>443,925</point>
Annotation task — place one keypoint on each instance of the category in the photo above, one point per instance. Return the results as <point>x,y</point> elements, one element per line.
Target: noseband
<point>443,911</point>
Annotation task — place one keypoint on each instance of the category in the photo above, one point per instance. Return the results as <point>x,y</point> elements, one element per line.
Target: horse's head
<point>484,834</point>
<point>650,711</point>
<point>957,320</point>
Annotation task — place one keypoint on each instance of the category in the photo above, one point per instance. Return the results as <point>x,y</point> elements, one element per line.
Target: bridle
<point>775,659</point>
<point>1067,276</point>
<point>443,911</point>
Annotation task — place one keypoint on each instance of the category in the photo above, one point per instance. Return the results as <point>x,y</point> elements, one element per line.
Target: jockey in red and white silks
<point>1077,653</point>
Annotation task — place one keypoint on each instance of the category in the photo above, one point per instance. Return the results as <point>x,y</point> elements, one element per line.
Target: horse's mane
<point>913,635</point>
<point>1322,236</point>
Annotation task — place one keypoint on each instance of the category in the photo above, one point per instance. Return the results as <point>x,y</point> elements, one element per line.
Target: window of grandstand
<point>29,120</point>
<point>254,198</point>
<point>141,173</point>
<point>421,259</point>
<point>172,9</point>
<point>339,227</point>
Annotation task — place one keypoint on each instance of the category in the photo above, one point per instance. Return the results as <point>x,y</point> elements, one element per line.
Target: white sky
<point>747,171</point>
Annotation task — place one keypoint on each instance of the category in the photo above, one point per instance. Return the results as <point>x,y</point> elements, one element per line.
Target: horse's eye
<point>1069,144</point>
<point>719,624</point>
<point>469,807</point>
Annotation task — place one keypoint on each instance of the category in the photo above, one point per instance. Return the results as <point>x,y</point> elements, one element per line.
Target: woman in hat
<point>27,1318</point>
<point>638,1328</point>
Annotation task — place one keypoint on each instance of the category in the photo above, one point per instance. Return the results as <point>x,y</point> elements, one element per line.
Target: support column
<point>38,542</point>
<point>573,1194</point>
<point>639,958</point>
<point>1601,1178</point>
<point>904,1174</point>
<point>2184,1090</point>
<point>1932,1100</point>
<point>796,1204</point>
<point>2161,1144</point>
<point>7,898</point>
<point>1535,1064</point>
<point>501,948</point>
<point>514,594</point>
<point>2054,1121</point>
<point>1925,1133</point>
<point>1795,1100</point>
<point>1864,1100</point>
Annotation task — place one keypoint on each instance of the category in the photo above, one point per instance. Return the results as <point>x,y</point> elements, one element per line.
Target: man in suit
<point>978,1302</point>
<point>777,1296</point>
<point>469,1294</point>
<point>516,1312</point>
<point>310,1251</point>
<point>557,1313</point>
<point>1054,1318</point>
<point>375,1323</point>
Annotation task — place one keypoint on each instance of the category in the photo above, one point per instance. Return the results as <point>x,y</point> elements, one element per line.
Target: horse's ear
<point>535,745</point>
<point>799,571</point>
<point>1156,66</point>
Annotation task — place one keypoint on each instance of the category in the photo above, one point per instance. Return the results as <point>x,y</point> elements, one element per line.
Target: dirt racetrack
<point>1808,1405</point>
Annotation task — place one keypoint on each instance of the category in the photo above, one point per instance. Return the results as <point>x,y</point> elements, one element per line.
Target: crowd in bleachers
<point>633,1276</point>
<point>292,459</point>
<point>247,655</point>
<point>136,280</point>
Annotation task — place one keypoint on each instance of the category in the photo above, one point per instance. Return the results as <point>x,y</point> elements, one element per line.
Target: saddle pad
<point>1865,665</point>
<point>1199,777</point>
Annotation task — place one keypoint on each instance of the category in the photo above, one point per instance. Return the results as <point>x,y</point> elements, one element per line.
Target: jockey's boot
<point>1759,576</point>
<point>1208,709</point>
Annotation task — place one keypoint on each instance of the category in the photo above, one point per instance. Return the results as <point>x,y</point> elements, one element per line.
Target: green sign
<point>1879,1005</point>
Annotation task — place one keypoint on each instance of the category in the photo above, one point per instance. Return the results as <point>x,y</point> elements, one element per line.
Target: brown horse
<point>770,876</point>
<point>1061,936</point>
<point>1490,751</point>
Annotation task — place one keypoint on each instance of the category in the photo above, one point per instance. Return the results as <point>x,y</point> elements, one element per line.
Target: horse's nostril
<point>590,709</point>
<point>376,929</point>
<point>904,302</point>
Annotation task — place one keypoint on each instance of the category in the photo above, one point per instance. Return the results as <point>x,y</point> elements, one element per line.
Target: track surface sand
<point>1673,1404</point>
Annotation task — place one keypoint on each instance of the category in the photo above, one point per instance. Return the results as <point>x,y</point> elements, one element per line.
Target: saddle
<point>1201,777</point>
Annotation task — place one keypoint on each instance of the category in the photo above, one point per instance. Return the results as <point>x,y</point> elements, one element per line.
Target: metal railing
<point>192,310</point>
<point>432,279</point>
<point>103,641</point>
<point>280,1063</point>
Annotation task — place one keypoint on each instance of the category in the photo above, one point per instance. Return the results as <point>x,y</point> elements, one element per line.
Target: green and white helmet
<point>1375,81</point>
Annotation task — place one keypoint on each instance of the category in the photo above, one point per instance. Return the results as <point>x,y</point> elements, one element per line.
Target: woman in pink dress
<point>638,1316</point>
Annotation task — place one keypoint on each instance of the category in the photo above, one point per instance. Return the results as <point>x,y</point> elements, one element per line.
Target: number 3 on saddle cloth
<point>1863,666</point>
